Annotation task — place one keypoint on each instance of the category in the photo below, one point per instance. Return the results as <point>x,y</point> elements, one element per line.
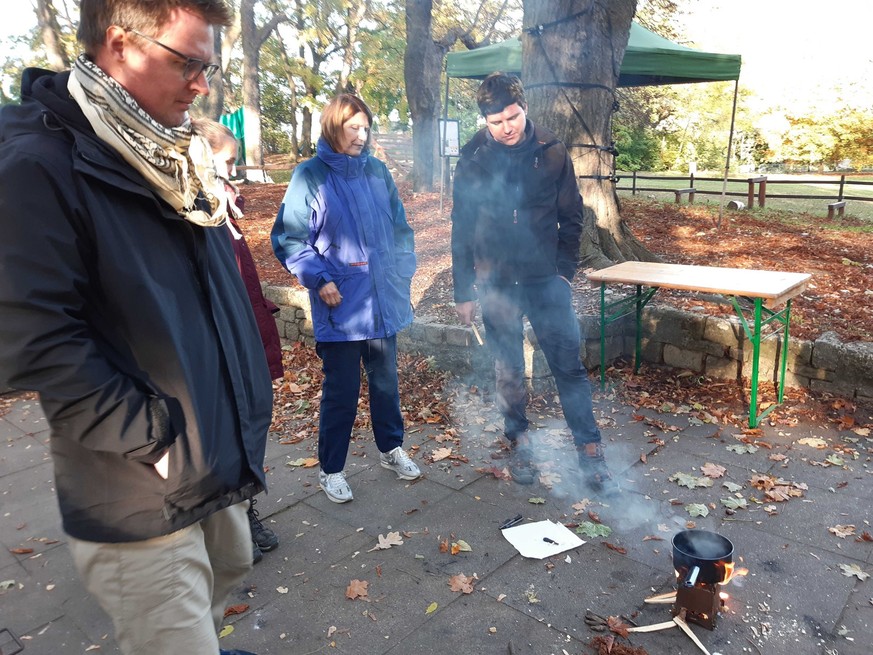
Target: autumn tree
<point>575,96</point>
<point>423,60</point>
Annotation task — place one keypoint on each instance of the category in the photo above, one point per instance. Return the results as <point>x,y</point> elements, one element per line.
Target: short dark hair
<point>337,112</point>
<point>498,91</point>
<point>146,16</point>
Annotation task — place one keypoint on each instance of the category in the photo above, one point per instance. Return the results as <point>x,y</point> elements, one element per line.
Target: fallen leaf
<point>651,537</point>
<point>697,509</point>
<point>777,457</point>
<point>690,481</point>
<point>762,482</point>
<point>500,597</point>
<point>734,503</point>
<point>331,631</point>
<point>444,546</point>
<point>862,432</point>
<point>836,460</point>
<point>733,487</point>
<point>814,442</point>
<point>226,630</point>
<point>594,516</point>
<point>712,470</point>
<point>431,608</point>
<point>842,531</point>
<point>461,583</point>
<point>357,589</point>
<point>305,462</point>
<point>617,626</point>
<point>236,609</point>
<point>581,506</point>
<point>617,549</point>
<point>590,529</point>
<point>742,449</point>
<point>440,453</point>
<point>21,551</point>
<point>865,536</point>
<point>282,590</point>
<point>777,494</point>
<point>850,570</point>
<point>463,546</point>
<point>393,539</point>
<point>536,501</point>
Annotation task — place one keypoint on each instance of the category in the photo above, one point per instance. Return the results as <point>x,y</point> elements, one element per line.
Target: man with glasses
<point>123,307</point>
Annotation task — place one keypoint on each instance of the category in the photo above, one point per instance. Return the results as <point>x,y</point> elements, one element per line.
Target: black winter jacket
<point>131,323</point>
<point>517,212</point>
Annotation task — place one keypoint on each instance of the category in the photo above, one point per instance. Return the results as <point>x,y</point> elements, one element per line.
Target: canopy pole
<point>442,138</point>
<point>727,162</point>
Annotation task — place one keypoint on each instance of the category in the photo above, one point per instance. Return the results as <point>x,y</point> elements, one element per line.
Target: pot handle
<point>691,578</point>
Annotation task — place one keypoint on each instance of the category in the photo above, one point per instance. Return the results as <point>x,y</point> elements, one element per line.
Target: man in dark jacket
<point>122,306</point>
<point>516,225</point>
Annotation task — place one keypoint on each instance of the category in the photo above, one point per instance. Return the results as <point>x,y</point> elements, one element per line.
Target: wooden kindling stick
<point>679,620</point>
<point>653,628</point>
<point>661,599</point>
<point>476,334</point>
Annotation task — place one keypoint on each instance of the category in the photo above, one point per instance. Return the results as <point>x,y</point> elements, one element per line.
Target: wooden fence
<point>761,193</point>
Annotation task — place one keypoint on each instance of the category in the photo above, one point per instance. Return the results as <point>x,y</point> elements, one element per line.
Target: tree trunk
<point>574,97</point>
<point>50,31</point>
<point>250,89</point>
<point>354,16</point>
<point>422,68</point>
<point>213,104</point>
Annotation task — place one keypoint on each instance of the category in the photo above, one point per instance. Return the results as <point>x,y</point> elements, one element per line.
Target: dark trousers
<point>341,363</point>
<point>549,309</point>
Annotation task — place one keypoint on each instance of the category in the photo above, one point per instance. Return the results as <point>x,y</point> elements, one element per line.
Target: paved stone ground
<point>795,599</point>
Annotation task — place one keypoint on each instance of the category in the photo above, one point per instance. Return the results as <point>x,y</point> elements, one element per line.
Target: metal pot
<point>702,556</point>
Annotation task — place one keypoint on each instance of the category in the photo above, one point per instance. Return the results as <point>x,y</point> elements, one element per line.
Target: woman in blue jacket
<point>342,231</point>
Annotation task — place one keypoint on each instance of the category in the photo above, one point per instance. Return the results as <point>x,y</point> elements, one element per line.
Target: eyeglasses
<point>193,66</point>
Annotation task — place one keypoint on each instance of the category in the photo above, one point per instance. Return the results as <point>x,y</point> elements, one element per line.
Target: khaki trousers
<point>167,595</point>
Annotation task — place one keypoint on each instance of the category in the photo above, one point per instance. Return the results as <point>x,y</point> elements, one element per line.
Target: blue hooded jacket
<point>342,221</point>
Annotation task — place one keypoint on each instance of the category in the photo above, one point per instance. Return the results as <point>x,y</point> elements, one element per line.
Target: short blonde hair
<point>337,112</point>
<point>217,134</point>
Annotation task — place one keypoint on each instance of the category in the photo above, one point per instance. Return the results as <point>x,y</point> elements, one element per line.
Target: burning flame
<point>731,572</point>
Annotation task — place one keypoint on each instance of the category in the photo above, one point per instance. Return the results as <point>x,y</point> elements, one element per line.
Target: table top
<point>775,287</point>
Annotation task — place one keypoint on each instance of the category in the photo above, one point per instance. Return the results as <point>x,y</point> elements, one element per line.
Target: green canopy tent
<point>649,60</point>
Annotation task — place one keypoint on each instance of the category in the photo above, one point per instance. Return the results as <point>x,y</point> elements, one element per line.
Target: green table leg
<point>638,349</point>
<point>602,336</point>
<point>784,363</point>
<point>755,338</point>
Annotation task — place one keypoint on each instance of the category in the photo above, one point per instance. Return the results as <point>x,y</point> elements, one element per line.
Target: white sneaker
<point>398,461</point>
<point>335,486</point>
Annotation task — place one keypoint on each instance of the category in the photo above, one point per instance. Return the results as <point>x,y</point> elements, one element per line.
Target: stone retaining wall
<point>712,346</point>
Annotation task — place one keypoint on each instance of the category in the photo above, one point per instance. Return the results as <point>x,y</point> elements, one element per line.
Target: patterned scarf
<point>176,162</point>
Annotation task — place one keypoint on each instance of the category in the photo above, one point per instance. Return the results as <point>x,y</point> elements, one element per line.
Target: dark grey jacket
<point>517,212</point>
<point>131,323</point>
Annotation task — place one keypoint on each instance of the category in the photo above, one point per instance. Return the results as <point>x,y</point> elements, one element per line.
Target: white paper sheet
<point>528,539</point>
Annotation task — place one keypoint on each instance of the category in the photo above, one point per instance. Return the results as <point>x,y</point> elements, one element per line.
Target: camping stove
<point>704,562</point>
<point>701,603</point>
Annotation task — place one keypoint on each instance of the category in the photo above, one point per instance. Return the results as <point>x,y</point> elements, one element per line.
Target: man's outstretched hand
<point>466,312</point>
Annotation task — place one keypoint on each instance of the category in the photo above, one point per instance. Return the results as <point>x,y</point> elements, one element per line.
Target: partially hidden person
<point>225,151</point>
<point>124,309</point>
<point>516,228</point>
<point>342,231</point>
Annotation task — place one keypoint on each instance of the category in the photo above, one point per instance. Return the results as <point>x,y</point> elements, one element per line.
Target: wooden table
<point>765,290</point>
